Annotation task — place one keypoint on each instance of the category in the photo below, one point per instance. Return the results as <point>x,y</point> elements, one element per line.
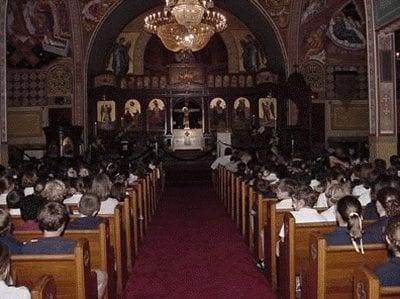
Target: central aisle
<point>193,250</point>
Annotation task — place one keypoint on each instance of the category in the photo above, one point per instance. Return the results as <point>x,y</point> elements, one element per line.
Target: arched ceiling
<point>245,10</point>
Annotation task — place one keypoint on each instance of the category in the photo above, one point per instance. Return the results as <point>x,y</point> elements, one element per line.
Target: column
<point>382,89</point>
<point>3,82</point>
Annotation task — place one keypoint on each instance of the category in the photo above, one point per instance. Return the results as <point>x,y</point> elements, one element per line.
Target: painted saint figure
<point>120,57</point>
<point>218,110</point>
<point>253,55</point>
<point>156,113</point>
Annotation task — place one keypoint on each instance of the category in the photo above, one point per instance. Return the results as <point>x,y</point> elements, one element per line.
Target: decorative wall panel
<point>352,117</point>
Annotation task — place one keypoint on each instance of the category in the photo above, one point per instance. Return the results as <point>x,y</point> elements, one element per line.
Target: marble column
<point>382,88</point>
<point>3,82</point>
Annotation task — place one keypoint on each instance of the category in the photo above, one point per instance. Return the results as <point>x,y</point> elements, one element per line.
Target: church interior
<point>204,131</point>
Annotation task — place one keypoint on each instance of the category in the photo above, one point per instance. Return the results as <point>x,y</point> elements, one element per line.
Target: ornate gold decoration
<point>185,24</point>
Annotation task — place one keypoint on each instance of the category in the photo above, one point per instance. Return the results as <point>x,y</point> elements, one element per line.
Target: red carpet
<point>193,250</point>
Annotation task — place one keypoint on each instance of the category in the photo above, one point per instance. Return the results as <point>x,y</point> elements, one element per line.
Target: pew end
<point>44,288</point>
<point>367,286</point>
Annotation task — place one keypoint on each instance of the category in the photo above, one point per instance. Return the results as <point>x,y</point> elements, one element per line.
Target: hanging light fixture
<point>185,24</point>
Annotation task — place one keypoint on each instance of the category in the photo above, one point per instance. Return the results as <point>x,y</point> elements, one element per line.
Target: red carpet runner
<point>193,250</point>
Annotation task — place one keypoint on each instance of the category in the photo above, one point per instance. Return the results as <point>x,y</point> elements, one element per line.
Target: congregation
<point>54,207</point>
<point>343,197</point>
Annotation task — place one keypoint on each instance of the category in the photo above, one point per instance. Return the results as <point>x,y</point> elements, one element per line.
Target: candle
<point>95,129</point>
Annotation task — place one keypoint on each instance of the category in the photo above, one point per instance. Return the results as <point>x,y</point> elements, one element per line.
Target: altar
<point>187,139</point>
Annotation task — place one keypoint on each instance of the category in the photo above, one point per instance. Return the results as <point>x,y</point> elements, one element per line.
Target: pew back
<point>294,253</point>
<point>366,286</point>
<point>71,272</point>
<point>331,268</point>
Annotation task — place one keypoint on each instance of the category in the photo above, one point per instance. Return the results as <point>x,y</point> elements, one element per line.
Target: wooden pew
<point>274,221</point>
<point>367,286</point>
<point>71,272</point>
<point>238,184</point>
<point>260,222</point>
<point>101,252</point>
<point>331,268</point>
<point>132,195</point>
<point>118,241</point>
<point>294,253</point>
<point>244,208</point>
<point>251,218</point>
<point>44,288</point>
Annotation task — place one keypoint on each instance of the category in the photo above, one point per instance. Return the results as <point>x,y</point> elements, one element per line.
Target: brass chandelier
<point>185,25</point>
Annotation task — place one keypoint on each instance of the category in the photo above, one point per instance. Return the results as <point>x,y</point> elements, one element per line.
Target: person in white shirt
<point>223,160</point>
<point>333,194</point>
<point>6,185</point>
<point>286,189</point>
<point>101,186</point>
<point>75,191</point>
<point>303,201</point>
<point>6,291</point>
<point>28,182</point>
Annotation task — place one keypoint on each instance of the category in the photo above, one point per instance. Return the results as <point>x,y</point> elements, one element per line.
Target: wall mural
<point>241,114</point>
<point>38,32</point>
<point>156,115</point>
<point>218,115</point>
<point>132,115</point>
<point>93,11</point>
<point>332,35</point>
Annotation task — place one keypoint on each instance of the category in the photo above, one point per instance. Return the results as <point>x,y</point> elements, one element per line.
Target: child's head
<point>4,263</point>
<point>76,185</point>
<point>118,191</point>
<point>30,207</point>
<point>29,179</point>
<point>89,204</point>
<point>304,197</point>
<point>286,188</point>
<point>5,223</point>
<point>388,202</point>
<point>336,192</point>
<point>54,191</point>
<point>392,233</point>
<point>6,184</point>
<point>349,211</point>
<point>13,200</point>
<point>53,217</point>
<point>101,186</point>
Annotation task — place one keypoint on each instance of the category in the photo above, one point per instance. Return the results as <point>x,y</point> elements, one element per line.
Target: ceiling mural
<point>93,11</point>
<point>38,31</point>
<point>332,31</point>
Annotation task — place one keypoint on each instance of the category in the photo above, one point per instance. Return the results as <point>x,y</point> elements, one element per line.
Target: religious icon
<point>267,112</point>
<point>187,115</point>
<point>132,115</point>
<point>218,114</point>
<point>156,115</point>
<point>242,113</point>
<point>346,28</point>
<point>105,113</point>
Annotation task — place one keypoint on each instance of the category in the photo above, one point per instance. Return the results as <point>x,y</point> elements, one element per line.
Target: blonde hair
<point>54,191</point>
<point>4,263</point>
<point>336,192</point>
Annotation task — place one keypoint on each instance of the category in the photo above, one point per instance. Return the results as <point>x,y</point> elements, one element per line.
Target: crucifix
<point>186,113</point>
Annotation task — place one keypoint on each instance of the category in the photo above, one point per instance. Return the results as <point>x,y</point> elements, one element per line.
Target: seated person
<point>6,186</point>
<point>118,191</point>
<point>333,194</point>
<point>370,212</point>
<point>7,291</point>
<point>101,186</point>
<point>30,207</point>
<point>13,203</point>
<point>223,160</point>
<point>89,207</point>
<point>75,191</point>
<point>28,181</point>
<point>303,201</point>
<point>388,206</point>
<point>284,192</point>
<point>349,231</point>
<point>6,238</point>
<point>54,190</point>
<point>52,220</point>
<point>389,272</point>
